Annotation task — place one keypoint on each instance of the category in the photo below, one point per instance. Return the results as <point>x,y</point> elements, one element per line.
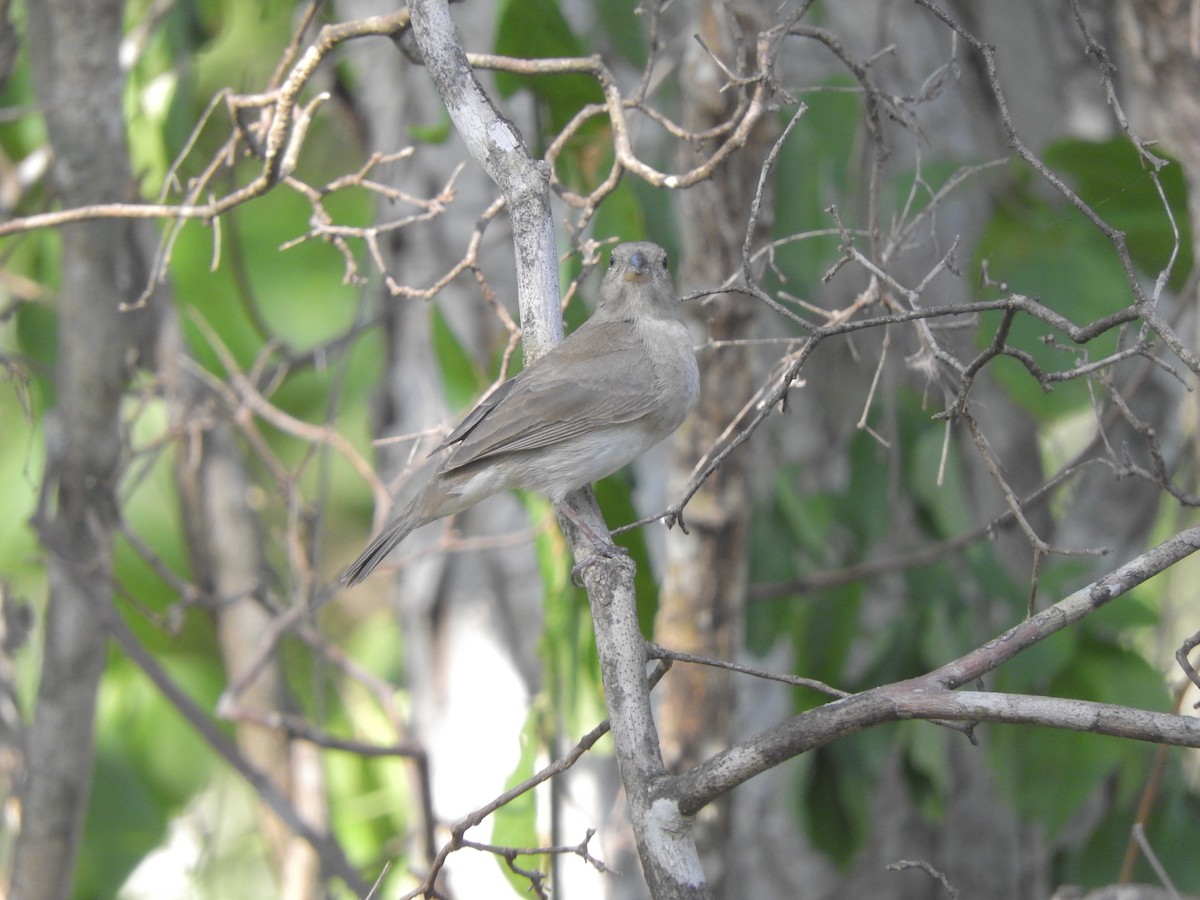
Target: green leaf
<point>515,823</point>
<point>825,636</point>
<point>622,22</point>
<point>536,29</point>
<point>1035,670</point>
<point>568,642</point>
<point>462,378</point>
<point>37,335</point>
<point>1045,251</point>
<point>1042,246</point>
<point>867,493</point>
<point>1111,178</point>
<point>837,791</point>
<point>1107,673</point>
<point>435,133</point>
<point>945,504</point>
<point>836,805</point>
<point>125,821</point>
<point>945,629</point>
<point>995,581</point>
<point>772,552</point>
<point>620,216</point>
<point>927,766</point>
<point>1048,774</point>
<point>804,520</point>
<point>1170,831</point>
<point>149,763</point>
<point>811,173</point>
<point>615,496</point>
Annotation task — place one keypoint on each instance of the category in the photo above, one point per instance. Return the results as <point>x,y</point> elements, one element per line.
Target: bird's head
<point>637,278</point>
<point>639,263</point>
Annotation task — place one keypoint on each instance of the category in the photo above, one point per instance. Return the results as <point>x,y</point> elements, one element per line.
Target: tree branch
<point>931,696</point>
<point>668,852</point>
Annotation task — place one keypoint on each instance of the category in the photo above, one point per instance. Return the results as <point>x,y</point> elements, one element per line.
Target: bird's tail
<point>396,531</point>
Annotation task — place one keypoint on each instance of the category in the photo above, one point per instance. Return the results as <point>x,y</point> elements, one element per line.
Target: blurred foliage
<point>1038,244</point>
<point>537,29</point>
<point>152,768</point>
<point>812,174</point>
<point>516,823</point>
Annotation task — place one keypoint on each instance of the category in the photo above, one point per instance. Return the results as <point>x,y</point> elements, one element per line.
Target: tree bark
<point>74,47</point>
<point>701,605</point>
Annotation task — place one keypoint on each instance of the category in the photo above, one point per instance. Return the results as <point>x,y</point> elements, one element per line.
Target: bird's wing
<point>550,402</point>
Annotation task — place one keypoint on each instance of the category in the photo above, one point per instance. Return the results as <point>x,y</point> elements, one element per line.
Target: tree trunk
<point>73,44</point>
<point>702,602</point>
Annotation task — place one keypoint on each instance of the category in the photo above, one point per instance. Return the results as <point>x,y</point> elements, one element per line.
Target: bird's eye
<point>612,260</point>
<point>664,262</point>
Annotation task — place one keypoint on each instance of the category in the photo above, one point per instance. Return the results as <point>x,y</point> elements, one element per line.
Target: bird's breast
<point>669,347</point>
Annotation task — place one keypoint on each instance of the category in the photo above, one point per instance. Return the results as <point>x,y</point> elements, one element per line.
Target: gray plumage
<point>618,385</point>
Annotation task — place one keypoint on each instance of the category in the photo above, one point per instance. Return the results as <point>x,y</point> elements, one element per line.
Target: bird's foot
<point>605,550</point>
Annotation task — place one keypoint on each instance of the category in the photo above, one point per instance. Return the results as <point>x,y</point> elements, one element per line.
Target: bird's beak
<point>639,269</point>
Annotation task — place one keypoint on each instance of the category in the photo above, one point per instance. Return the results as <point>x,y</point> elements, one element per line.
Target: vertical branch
<point>664,837</point>
<point>74,47</point>
<point>495,144</point>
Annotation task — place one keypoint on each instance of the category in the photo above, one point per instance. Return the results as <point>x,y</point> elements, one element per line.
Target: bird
<point>619,384</point>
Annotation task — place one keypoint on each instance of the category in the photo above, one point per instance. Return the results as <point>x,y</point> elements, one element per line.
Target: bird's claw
<point>599,552</point>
